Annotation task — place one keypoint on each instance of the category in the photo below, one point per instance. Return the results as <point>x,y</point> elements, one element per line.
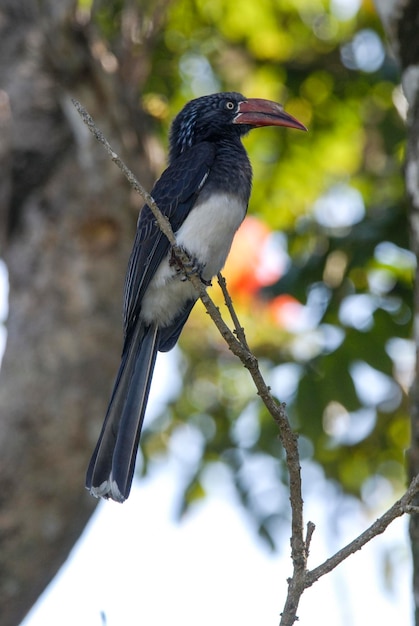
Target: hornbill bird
<point>204,192</point>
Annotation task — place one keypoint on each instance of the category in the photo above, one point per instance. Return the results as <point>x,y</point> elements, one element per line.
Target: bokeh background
<point>320,273</point>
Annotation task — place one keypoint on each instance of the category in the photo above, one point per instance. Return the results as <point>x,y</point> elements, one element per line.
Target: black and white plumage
<point>204,192</point>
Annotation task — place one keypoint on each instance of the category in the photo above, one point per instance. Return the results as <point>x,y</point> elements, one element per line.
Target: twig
<point>398,509</point>
<point>310,530</point>
<point>289,439</point>
<point>239,330</point>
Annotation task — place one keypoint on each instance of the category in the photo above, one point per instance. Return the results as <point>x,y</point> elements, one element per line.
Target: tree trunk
<point>66,230</point>
<point>401,20</point>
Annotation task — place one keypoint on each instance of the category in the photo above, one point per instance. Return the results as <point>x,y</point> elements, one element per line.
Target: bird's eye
<point>230,105</point>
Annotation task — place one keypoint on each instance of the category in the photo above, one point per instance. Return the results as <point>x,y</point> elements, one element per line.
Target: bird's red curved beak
<point>259,112</point>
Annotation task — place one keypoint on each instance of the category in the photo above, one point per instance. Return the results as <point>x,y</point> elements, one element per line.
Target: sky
<point>135,565</point>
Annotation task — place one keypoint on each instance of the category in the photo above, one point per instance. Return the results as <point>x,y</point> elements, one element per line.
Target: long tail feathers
<point>112,465</point>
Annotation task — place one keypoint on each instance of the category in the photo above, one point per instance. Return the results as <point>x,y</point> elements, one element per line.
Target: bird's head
<point>222,116</point>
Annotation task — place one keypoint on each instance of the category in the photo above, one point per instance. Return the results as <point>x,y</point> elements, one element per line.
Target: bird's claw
<point>193,266</point>
<point>207,283</point>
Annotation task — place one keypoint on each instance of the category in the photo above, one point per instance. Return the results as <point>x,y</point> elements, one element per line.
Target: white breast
<point>207,235</point>
<point>208,231</point>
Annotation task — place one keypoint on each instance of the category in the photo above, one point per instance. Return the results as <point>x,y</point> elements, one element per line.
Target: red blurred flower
<point>286,311</point>
<point>252,263</point>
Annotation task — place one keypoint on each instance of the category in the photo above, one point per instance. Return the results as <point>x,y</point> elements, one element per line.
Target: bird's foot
<point>193,266</point>
<point>206,282</point>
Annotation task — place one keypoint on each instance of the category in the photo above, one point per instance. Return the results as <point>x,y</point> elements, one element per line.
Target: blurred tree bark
<point>401,22</point>
<point>66,229</point>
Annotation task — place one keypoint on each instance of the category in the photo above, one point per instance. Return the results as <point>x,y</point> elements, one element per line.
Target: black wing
<point>175,194</point>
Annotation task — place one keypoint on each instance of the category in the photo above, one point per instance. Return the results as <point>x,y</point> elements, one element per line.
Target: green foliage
<point>336,193</point>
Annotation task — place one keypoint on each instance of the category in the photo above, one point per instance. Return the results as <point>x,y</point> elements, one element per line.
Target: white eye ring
<point>230,105</point>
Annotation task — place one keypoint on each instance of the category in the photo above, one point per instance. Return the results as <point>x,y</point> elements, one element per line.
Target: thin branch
<point>239,330</point>
<point>310,530</point>
<point>398,509</point>
<point>289,439</point>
